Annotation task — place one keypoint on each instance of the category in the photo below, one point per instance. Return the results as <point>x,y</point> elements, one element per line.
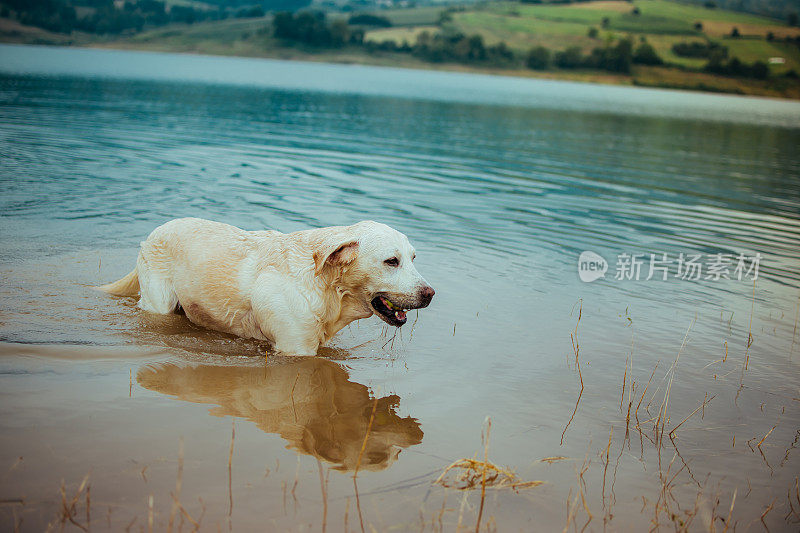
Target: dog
<point>295,290</point>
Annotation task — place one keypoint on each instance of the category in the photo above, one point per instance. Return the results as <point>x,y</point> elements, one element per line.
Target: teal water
<point>500,183</point>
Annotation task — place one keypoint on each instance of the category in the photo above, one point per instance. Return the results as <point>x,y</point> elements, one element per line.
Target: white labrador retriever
<point>295,289</point>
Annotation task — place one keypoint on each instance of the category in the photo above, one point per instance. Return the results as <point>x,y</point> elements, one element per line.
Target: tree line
<point>617,55</point>
<point>109,17</point>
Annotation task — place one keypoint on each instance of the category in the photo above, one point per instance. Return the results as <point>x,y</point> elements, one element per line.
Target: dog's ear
<point>336,253</point>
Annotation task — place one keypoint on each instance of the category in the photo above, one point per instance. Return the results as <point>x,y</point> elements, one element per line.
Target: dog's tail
<point>127,286</point>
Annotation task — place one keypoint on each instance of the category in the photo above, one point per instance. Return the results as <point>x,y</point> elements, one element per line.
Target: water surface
<point>500,183</point>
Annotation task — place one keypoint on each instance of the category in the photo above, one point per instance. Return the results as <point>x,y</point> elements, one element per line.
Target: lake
<point>639,403</point>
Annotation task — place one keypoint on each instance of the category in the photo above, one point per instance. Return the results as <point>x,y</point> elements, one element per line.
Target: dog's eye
<point>392,262</point>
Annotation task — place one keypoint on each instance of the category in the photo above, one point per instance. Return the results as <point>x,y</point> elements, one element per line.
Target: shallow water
<point>500,184</point>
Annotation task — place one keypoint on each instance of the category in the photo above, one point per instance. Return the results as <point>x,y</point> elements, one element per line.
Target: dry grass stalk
<point>730,513</point>
<point>69,511</point>
<point>358,504</point>
<point>366,435</point>
<point>576,348</point>
<point>346,511</point>
<point>150,514</point>
<point>605,466</point>
<point>765,436</point>
<point>793,513</point>
<point>570,510</point>
<point>701,406</point>
<point>471,476</point>
<point>663,417</point>
<point>294,410</point>
<point>322,484</point>
<point>769,508</point>
<point>461,511</point>
<point>749,331</point>
<point>176,497</point>
<point>483,472</point>
<point>230,470</point>
<point>636,412</point>
<point>442,510</point>
<point>296,481</point>
<point>553,459</point>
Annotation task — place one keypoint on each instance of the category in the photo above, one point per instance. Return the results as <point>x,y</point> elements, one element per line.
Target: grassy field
<point>662,23</point>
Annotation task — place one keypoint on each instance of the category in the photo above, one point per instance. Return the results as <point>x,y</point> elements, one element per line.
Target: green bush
<point>538,58</point>
<point>365,19</point>
<point>645,54</point>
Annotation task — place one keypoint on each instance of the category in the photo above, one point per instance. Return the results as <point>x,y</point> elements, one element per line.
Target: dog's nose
<point>426,294</point>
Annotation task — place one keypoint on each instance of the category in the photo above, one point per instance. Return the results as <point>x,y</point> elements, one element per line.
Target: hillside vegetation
<point>739,46</point>
<point>646,42</point>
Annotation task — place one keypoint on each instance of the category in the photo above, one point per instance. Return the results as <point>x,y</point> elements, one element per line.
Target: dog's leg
<point>157,293</point>
<point>284,315</point>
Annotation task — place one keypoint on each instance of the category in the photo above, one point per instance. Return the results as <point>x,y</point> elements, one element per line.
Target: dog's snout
<point>426,294</point>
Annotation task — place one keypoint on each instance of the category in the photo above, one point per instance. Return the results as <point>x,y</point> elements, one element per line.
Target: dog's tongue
<point>400,315</point>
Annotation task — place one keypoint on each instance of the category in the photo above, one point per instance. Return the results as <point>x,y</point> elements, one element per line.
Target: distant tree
<point>593,33</point>
<point>283,25</point>
<point>306,27</point>
<point>759,70</point>
<point>735,67</point>
<point>636,11</point>
<point>698,26</point>
<point>699,49</point>
<point>716,63</point>
<point>538,58</point>
<point>340,33</point>
<point>791,18</point>
<point>476,50</point>
<point>645,54</point>
<point>569,58</point>
<point>500,53</point>
<point>616,58</point>
<point>605,22</point>
<point>710,5</point>
<point>183,14</point>
<point>770,36</point>
<point>250,12</point>
<point>620,57</point>
<point>365,19</point>
<point>445,16</point>
<point>735,33</point>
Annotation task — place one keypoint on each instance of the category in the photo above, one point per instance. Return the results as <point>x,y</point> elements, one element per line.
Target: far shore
<point>643,76</point>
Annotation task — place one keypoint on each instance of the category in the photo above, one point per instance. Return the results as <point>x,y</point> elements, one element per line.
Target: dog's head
<point>375,263</point>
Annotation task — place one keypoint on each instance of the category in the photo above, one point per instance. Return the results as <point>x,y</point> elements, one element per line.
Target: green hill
<point>644,42</point>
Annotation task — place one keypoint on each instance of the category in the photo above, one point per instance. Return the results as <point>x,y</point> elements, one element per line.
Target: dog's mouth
<point>391,313</point>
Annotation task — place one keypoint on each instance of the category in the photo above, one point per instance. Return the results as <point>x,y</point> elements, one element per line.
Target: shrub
<point>645,54</point>
<point>569,58</point>
<point>365,19</point>
<point>538,58</point>
<point>698,49</point>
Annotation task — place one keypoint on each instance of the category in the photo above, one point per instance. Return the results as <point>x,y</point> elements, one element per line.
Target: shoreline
<point>383,60</point>
<point>642,76</point>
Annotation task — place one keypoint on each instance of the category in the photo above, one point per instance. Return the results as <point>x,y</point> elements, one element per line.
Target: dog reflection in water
<point>310,402</point>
